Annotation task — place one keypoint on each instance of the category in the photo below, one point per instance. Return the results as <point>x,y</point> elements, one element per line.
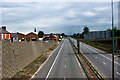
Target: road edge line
<point>53,63</point>
<point>44,62</point>
<point>93,65</point>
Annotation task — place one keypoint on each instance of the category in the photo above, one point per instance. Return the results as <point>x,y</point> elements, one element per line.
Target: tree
<point>76,35</point>
<point>40,34</point>
<point>86,30</point>
<point>63,34</point>
<point>116,31</point>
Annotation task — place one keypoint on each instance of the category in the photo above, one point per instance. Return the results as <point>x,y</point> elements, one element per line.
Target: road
<point>61,64</point>
<point>101,60</point>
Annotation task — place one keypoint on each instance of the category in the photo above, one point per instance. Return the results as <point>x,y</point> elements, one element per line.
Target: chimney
<point>4,27</point>
<point>35,30</point>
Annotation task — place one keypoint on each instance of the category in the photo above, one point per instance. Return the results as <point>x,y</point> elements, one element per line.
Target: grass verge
<point>95,44</point>
<point>27,72</point>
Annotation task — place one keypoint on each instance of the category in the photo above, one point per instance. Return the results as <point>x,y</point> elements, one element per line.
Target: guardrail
<point>90,69</point>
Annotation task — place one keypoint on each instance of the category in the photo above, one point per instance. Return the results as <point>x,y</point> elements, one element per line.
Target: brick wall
<point>17,55</point>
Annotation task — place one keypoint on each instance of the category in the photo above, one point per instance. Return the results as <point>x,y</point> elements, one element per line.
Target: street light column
<point>112,40</point>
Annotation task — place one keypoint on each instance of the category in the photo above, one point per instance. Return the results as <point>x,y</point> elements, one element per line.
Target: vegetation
<point>86,30</point>
<point>97,45</point>
<point>78,35</point>
<point>116,32</point>
<point>63,34</point>
<point>40,34</point>
<point>30,69</point>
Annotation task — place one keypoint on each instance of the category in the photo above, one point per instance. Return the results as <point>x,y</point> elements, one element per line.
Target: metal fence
<point>98,35</point>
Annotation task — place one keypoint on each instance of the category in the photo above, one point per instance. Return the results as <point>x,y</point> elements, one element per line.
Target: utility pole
<point>112,41</point>
<point>73,33</point>
<point>78,45</point>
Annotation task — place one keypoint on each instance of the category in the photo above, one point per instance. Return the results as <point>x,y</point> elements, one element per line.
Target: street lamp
<point>112,41</point>
<point>73,34</point>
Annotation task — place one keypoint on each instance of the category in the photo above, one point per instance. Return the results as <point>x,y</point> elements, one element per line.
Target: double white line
<point>54,62</point>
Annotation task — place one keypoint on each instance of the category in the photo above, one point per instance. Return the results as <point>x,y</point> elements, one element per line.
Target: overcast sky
<point>57,17</point>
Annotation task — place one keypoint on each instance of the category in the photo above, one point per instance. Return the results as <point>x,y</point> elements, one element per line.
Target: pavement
<point>100,60</point>
<point>62,64</point>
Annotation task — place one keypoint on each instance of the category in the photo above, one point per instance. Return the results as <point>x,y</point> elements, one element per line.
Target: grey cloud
<point>60,16</point>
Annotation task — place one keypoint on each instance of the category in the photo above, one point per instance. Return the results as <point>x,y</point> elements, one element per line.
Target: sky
<point>56,17</point>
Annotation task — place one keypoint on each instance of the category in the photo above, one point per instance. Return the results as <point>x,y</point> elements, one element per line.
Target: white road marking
<point>64,78</point>
<point>54,62</point>
<point>44,63</point>
<point>109,59</point>
<point>118,73</point>
<point>65,59</point>
<point>104,63</point>
<point>65,66</point>
<point>80,67</point>
<point>102,55</point>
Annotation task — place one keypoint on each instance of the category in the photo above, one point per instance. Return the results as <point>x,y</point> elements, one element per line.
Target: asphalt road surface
<point>62,64</point>
<point>101,60</point>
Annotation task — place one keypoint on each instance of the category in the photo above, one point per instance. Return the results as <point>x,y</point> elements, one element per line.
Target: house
<point>29,37</point>
<point>21,37</point>
<point>49,37</point>
<point>4,34</point>
<point>32,37</point>
<point>14,37</point>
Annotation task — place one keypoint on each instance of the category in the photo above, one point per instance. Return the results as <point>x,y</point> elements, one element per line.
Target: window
<point>2,36</point>
<point>5,36</point>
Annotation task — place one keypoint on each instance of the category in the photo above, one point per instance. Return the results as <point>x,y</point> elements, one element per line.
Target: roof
<point>20,34</point>
<point>4,31</point>
<point>14,35</point>
<point>32,33</point>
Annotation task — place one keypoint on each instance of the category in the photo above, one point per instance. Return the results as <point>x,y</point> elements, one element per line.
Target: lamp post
<point>112,41</point>
<point>73,33</point>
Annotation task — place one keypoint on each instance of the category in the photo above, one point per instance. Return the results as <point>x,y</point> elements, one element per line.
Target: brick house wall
<point>4,34</point>
<point>50,37</point>
<point>29,37</point>
<point>20,36</point>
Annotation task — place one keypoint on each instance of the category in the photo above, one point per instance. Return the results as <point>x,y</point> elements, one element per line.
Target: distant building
<point>14,37</point>
<point>29,37</point>
<point>98,35</point>
<point>50,37</point>
<point>32,37</point>
<point>21,37</point>
<point>4,34</point>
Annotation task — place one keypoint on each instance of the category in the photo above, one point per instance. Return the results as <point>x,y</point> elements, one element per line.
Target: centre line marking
<point>64,78</point>
<point>104,63</point>
<point>65,59</point>
<point>65,66</point>
<point>118,73</point>
<point>54,62</point>
<point>102,55</point>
